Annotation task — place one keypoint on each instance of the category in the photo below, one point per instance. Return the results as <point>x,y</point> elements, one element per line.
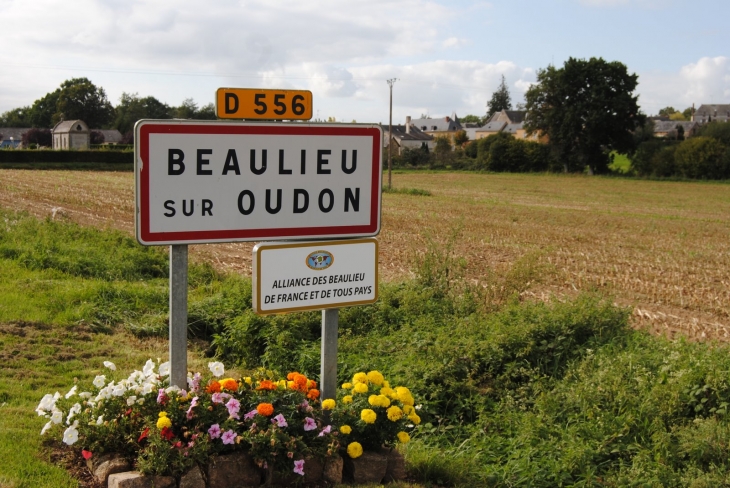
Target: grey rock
<point>333,470</point>
<point>396,470</point>
<point>106,465</point>
<point>192,479</point>
<point>233,470</point>
<point>368,468</point>
<point>134,479</point>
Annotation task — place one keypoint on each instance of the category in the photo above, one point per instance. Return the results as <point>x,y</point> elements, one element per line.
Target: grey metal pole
<point>390,132</point>
<point>328,371</point>
<point>179,315</point>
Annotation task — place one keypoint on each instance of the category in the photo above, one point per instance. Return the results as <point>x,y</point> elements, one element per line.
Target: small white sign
<point>291,277</point>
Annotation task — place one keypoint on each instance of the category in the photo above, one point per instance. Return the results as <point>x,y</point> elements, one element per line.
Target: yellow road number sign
<point>255,103</point>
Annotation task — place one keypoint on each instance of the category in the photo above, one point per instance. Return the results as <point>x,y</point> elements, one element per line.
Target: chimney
<point>408,124</point>
<point>447,118</point>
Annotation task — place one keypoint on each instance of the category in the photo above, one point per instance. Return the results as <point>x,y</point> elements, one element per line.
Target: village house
<point>407,136</point>
<point>71,134</point>
<point>712,113</point>
<point>670,129</point>
<point>11,137</point>
<point>445,126</point>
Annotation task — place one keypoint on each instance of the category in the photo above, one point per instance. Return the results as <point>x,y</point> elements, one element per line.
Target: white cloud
<point>706,81</point>
<point>454,42</point>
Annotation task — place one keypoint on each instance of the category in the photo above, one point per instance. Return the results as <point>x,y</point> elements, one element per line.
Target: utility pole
<point>391,82</point>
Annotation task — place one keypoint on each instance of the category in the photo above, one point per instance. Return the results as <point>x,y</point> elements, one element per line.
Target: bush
<point>39,137</point>
<point>716,130</point>
<point>50,156</point>
<point>702,157</point>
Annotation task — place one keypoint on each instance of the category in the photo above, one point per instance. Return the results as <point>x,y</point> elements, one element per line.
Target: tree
<point>472,119</point>
<point>79,98</point>
<point>131,108</point>
<point>442,144</point>
<point>667,111</point>
<point>460,138</point>
<point>500,100</point>
<point>587,109</point>
<point>43,110</point>
<point>41,137</point>
<point>17,117</point>
<point>207,112</point>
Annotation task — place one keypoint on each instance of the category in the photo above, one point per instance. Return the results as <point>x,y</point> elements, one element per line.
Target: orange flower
<point>213,387</point>
<point>266,385</point>
<point>313,394</point>
<point>291,375</point>
<point>265,409</point>
<point>312,384</point>
<point>300,382</point>
<point>229,384</point>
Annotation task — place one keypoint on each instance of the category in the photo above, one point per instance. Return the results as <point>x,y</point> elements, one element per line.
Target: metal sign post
<point>328,368</point>
<point>179,315</point>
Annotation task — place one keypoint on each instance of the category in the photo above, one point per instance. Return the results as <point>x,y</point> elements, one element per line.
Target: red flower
<point>167,433</point>
<point>144,434</point>
<point>87,454</point>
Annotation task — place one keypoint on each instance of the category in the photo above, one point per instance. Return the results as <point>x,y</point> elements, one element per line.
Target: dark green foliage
<point>79,98</point>
<point>17,117</point>
<point>702,157</point>
<point>500,100</point>
<point>503,153</point>
<point>132,108</point>
<point>111,157</point>
<point>413,158</point>
<point>716,130</point>
<point>39,137</point>
<point>587,109</point>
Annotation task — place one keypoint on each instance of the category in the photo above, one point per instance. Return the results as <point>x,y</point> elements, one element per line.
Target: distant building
<point>444,126</point>
<point>510,122</point>
<point>11,137</point>
<point>712,113</point>
<point>669,129</point>
<point>71,134</point>
<point>407,136</point>
<point>111,136</point>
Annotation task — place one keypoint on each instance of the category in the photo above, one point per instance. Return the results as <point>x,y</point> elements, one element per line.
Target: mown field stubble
<point>659,247</point>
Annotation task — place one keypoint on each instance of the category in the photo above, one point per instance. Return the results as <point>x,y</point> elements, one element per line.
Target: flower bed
<point>280,424</point>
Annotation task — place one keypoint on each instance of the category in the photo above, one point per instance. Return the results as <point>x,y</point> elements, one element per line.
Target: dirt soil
<point>657,247</point>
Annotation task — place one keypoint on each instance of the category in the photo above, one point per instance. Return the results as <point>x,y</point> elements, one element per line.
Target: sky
<point>447,56</point>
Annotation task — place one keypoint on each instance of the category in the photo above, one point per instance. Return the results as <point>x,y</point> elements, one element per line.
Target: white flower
<point>147,388</point>
<point>85,395</point>
<point>99,381</point>
<point>131,400</point>
<point>71,435</point>
<point>46,404</point>
<point>216,368</point>
<point>57,416</point>
<point>119,390</point>
<point>149,368</point>
<point>165,368</point>
<point>100,420</point>
<point>71,392</point>
<point>73,411</point>
<point>110,365</point>
<point>46,427</point>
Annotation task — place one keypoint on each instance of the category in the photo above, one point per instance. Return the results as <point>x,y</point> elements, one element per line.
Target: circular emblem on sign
<point>320,260</point>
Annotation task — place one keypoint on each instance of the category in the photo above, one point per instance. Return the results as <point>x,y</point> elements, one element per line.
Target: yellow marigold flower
<point>328,404</point>
<point>389,392</point>
<point>386,384</point>
<point>384,401</point>
<point>408,409</point>
<point>395,413</point>
<point>229,384</point>
<point>162,414</point>
<point>281,384</point>
<point>354,450</point>
<point>345,429</point>
<point>360,378</point>
<point>404,395</point>
<point>163,422</point>
<point>375,377</point>
<point>403,437</point>
<point>360,388</point>
<point>346,386</point>
<point>248,380</point>
<point>347,399</point>
<point>368,416</point>
<point>291,385</point>
<point>414,418</point>
<point>373,400</point>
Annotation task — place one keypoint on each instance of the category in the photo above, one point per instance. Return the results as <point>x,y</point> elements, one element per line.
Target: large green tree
<point>17,117</point>
<point>43,110</point>
<point>587,109</point>
<point>132,108</point>
<point>500,100</point>
<point>81,99</point>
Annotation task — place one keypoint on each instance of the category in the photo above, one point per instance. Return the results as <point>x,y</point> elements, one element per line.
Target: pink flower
<point>299,467</point>
<point>324,431</point>
<point>215,431</point>
<point>309,424</point>
<point>161,396</point>
<point>233,407</point>
<point>194,383</point>
<point>228,437</point>
<point>250,415</point>
<point>193,403</point>
<point>280,421</point>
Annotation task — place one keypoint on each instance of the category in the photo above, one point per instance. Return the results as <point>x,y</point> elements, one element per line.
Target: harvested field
<point>660,247</point>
